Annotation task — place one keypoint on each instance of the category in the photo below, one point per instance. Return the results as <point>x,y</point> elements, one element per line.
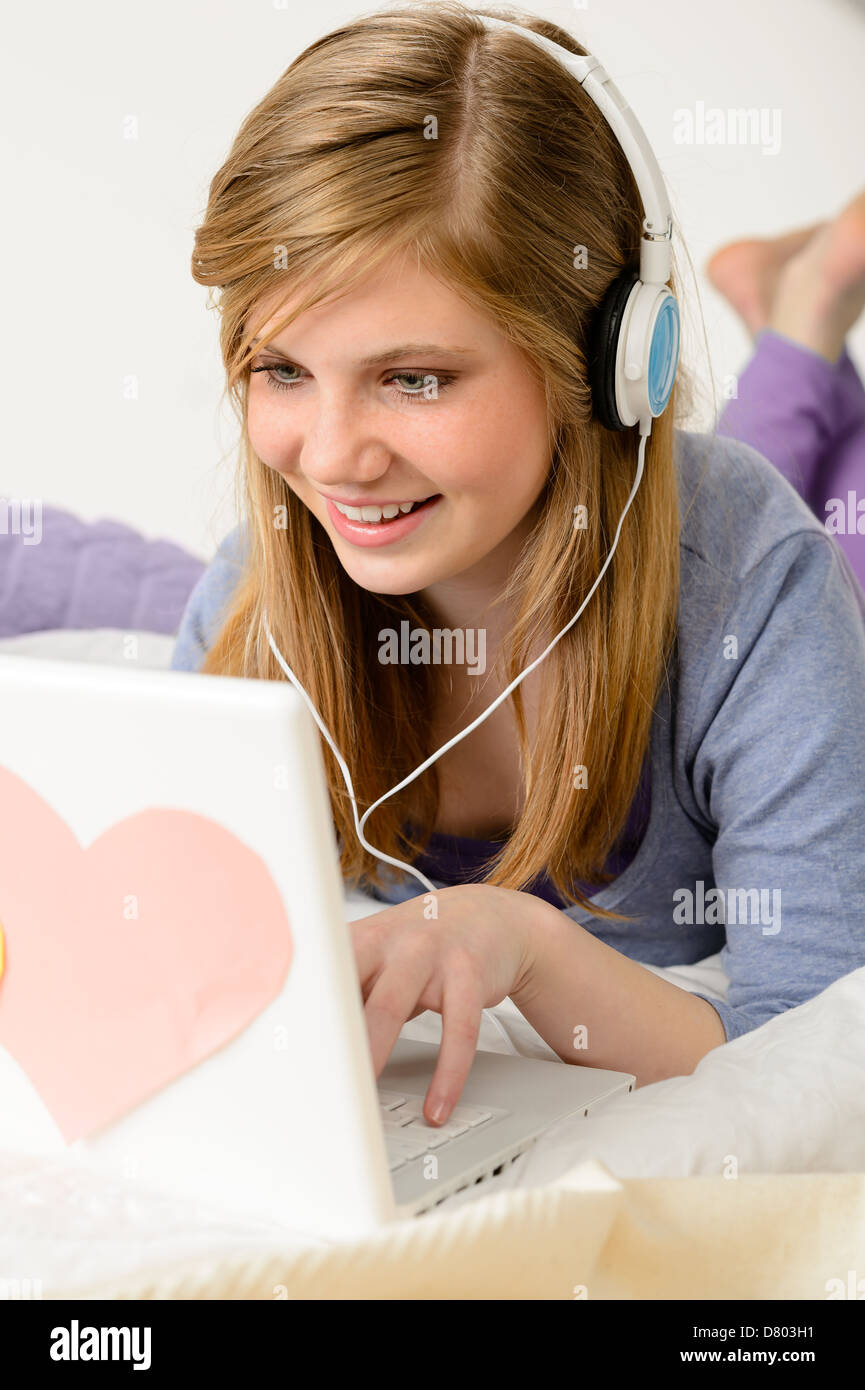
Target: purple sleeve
<point>806,415</point>
<point>59,571</point>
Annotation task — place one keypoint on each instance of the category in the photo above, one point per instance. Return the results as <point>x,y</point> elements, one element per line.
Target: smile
<point>375,514</point>
<point>383,525</point>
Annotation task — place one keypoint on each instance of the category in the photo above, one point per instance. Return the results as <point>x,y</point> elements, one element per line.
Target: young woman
<point>404,321</point>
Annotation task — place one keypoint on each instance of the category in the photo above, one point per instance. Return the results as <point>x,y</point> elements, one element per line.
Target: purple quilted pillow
<point>90,574</point>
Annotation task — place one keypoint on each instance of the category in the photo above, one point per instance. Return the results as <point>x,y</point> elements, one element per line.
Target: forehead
<point>398,302</point>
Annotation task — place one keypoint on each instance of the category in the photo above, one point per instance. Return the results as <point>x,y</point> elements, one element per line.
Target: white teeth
<point>374,514</point>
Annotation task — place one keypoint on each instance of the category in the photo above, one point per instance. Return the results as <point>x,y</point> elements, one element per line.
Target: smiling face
<point>344,408</point>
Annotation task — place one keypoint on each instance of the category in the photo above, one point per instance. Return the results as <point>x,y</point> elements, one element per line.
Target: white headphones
<point>636,338</point>
<point>634,358</point>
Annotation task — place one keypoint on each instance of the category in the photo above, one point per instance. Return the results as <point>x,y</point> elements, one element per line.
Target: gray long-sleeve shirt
<point>755,845</point>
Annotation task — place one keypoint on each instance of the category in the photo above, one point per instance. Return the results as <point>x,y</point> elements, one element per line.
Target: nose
<point>339,445</point>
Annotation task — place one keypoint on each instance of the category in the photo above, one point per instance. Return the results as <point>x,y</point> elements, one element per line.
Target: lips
<point>385,531</point>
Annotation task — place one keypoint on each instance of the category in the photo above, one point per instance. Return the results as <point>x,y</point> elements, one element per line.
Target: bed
<point>743,1180</point>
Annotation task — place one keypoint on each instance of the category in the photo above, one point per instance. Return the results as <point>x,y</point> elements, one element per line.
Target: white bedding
<point>788,1097</point>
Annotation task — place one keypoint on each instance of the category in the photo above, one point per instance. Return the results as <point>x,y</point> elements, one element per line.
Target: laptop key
<point>431,1137</point>
<point>405,1152</point>
<point>412,1110</point>
<point>470,1114</point>
<point>399,1137</point>
<point>388,1100</point>
<point>395,1119</point>
<point>451,1129</point>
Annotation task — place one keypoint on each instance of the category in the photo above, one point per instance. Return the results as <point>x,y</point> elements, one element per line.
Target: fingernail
<point>438,1112</point>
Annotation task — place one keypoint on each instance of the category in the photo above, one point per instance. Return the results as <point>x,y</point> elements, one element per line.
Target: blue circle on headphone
<point>663,355</point>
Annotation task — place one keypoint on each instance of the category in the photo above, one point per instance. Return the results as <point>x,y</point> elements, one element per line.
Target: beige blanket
<point>587,1235</point>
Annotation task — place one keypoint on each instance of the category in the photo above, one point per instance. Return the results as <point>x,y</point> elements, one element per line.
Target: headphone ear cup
<point>603,347</point>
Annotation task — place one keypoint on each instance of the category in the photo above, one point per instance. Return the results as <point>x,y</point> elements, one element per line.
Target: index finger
<point>461,1024</point>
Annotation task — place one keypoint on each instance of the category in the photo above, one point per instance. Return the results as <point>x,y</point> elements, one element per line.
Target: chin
<point>394,586</point>
<point>395,578</point>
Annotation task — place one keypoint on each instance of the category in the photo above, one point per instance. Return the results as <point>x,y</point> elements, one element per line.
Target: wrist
<point>542,923</point>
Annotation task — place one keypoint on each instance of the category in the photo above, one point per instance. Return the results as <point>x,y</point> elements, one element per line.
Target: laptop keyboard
<point>407,1134</point>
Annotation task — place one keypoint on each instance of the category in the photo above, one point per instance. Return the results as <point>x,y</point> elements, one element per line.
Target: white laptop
<point>179,1003</point>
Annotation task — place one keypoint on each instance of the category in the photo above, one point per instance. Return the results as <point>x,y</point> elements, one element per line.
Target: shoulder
<point>735,506</point>
<point>224,570</point>
<point>209,601</point>
<point>747,536</point>
<point>764,588</point>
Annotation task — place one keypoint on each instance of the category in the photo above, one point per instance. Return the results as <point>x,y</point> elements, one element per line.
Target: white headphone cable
<point>457,738</point>
<point>645,429</point>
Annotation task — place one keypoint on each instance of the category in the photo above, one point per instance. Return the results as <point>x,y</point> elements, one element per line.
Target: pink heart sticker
<point>130,961</point>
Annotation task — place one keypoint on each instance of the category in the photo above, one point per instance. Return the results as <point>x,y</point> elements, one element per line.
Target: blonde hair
<point>329,175</point>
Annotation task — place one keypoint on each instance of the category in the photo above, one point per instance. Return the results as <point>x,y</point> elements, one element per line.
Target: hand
<point>467,958</point>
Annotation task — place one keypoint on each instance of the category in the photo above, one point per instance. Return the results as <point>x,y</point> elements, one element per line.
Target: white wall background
<point>97,231</point>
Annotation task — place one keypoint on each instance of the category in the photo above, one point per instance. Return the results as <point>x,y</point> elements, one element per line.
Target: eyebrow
<point>399,350</point>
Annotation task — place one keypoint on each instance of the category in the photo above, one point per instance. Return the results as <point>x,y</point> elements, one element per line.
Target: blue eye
<point>430,384</point>
<point>273,380</point>
<point>430,387</point>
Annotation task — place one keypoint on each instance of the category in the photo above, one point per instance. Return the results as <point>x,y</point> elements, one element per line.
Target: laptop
<point>179,1003</point>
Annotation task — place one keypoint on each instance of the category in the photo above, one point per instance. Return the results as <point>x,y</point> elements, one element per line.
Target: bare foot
<point>746,273</point>
<point>821,290</point>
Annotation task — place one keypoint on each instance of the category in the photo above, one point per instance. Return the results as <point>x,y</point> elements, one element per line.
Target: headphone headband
<point>655,250</point>
<point>634,347</point>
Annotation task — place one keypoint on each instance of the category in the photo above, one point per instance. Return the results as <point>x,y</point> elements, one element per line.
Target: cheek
<point>498,450</point>
<point>267,432</point>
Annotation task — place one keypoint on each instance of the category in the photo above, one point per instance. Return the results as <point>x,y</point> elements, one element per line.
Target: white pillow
<point>787,1097</point>
<point>103,646</point>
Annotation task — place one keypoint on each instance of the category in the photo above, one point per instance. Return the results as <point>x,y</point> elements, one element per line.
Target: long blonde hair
<point>329,175</point>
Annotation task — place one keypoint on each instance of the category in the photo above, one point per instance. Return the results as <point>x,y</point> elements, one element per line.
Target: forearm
<point>595,1007</point>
